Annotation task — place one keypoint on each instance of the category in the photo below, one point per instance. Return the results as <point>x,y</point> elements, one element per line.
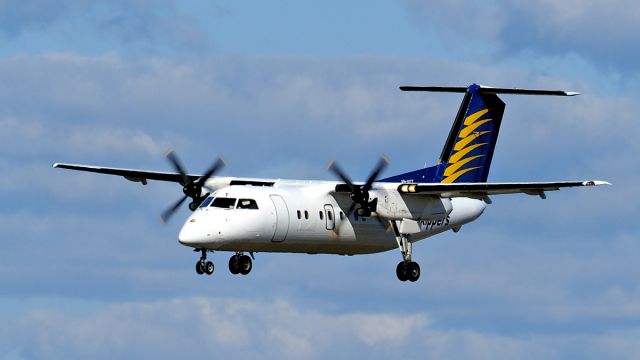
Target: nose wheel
<point>240,264</point>
<point>203,266</point>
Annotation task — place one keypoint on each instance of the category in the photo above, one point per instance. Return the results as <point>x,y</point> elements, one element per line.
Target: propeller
<point>359,194</point>
<point>190,188</point>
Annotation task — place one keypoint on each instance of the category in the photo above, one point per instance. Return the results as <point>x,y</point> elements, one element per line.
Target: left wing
<point>481,190</point>
<point>130,174</point>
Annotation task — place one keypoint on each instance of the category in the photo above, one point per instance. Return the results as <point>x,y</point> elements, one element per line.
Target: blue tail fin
<point>467,154</point>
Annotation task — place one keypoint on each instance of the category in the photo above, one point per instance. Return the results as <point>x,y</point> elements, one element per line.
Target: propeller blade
<point>348,214</point>
<point>382,163</point>
<point>334,168</point>
<point>212,170</point>
<point>166,215</point>
<point>177,165</point>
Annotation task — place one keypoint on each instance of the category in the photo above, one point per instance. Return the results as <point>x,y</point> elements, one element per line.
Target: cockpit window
<point>247,204</point>
<point>206,202</point>
<point>223,202</point>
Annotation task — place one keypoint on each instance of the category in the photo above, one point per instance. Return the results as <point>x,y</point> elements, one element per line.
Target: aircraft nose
<point>189,234</point>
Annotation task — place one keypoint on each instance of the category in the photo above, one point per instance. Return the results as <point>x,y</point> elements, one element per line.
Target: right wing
<point>481,190</point>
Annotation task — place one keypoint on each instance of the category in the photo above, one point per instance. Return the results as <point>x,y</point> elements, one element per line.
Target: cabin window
<point>247,204</point>
<point>321,217</point>
<point>330,215</point>
<point>341,215</point>
<point>206,202</point>
<point>306,215</point>
<point>224,203</point>
<point>299,216</point>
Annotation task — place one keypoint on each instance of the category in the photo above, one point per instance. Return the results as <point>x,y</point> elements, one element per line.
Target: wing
<point>481,190</point>
<point>129,174</point>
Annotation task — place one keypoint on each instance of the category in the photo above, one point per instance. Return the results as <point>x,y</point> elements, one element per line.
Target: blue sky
<point>87,271</point>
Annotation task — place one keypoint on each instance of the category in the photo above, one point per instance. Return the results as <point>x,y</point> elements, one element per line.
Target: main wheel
<point>208,268</point>
<point>402,271</point>
<point>234,264</point>
<point>200,267</point>
<point>413,271</point>
<point>245,265</point>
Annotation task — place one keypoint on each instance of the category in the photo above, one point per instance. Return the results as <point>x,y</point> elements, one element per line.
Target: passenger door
<point>282,218</point>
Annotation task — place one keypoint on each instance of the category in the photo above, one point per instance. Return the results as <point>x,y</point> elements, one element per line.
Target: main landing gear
<point>240,264</point>
<point>406,269</point>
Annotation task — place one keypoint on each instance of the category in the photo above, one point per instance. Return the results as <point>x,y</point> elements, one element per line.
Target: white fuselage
<point>308,217</point>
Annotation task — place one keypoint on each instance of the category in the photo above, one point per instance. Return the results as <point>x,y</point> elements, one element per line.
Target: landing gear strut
<point>406,269</point>
<point>240,264</point>
<point>203,266</point>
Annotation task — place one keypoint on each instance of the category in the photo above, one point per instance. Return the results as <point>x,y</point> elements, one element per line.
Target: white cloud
<point>38,137</point>
<point>599,31</point>
<point>34,145</point>
<point>211,325</point>
<point>221,327</point>
<point>388,329</point>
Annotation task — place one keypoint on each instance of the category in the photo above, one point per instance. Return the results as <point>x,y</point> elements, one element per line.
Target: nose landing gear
<point>203,266</point>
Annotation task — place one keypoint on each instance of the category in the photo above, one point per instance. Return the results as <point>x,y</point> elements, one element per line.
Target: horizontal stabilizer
<point>489,90</point>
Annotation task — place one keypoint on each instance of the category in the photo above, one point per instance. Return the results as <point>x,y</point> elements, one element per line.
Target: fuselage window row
<point>306,214</point>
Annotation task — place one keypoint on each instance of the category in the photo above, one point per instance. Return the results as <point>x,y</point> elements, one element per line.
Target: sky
<point>280,88</point>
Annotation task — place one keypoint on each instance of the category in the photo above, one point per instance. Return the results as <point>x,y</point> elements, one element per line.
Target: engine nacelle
<point>395,206</point>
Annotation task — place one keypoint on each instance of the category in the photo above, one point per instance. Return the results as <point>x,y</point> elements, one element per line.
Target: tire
<point>402,271</point>
<point>413,271</point>
<point>245,265</point>
<point>200,267</point>
<point>234,264</point>
<point>193,206</point>
<point>208,268</point>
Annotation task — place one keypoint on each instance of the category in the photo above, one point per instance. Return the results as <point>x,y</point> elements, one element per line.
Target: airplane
<point>251,215</point>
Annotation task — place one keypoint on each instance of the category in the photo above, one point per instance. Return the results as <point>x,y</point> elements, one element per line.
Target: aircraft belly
<point>365,242</point>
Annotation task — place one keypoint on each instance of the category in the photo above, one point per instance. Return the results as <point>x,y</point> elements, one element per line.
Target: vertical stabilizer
<point>467,154</point>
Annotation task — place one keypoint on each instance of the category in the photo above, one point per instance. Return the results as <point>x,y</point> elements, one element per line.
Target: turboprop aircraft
<point>250,215</point>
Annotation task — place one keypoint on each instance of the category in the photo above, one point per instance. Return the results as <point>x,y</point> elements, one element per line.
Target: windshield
<point>223,202</point>
<point>206,202</point>
<point>247,204</point>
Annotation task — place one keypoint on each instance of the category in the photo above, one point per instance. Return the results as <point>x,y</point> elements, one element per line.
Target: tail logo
<point>464,145</point>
